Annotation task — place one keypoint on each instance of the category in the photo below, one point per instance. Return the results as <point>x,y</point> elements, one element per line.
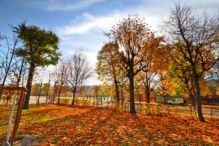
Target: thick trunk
<point>131,89</point>
<point>29,85</point>
<point>198,96</point>
<point>117,89</point>
<point>191,97</point>
<point>147,93</point>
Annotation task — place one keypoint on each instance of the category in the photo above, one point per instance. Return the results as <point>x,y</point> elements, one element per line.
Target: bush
<point>77,102</point>
<point>65,101</point>
<point>84,103</point>
<point>146,108</point>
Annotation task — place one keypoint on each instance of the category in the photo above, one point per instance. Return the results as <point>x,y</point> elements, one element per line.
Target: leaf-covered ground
<point>66,125</point>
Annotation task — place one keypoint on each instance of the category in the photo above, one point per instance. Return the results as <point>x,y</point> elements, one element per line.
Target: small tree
<point>107,67</point>
<point>61,74</point>
<point>79,71</point>
<point>95,93</point>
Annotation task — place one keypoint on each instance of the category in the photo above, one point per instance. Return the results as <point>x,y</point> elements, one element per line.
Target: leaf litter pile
<point>66,125</point>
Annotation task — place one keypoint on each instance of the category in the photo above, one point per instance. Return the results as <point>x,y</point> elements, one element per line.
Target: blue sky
<point>81,23</point>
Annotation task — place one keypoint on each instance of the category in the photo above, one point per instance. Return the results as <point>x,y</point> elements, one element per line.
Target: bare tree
<point>61,74</point>
<point>195,38</point>
<point>8,59</point>
<point>48,87</point>
<point>78,72</point>
<point>39,94</point>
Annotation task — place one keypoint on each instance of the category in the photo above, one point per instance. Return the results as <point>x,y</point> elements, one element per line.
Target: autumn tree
<point>165,86</point>
<point>183,78</point>
<point>40,49</point>
<point>79,71</point>
<point>196,39</point>
<point>95,92</point>
<point>156,60</point>
<point>131,34</point>
<point>107,66</point>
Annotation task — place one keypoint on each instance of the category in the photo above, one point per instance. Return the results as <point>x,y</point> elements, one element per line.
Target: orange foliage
<point>65,125</point>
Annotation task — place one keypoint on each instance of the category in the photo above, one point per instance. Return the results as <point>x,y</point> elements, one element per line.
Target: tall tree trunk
<point>198,96</point>
<point>117,89</point>
<point>131,89</point>
<point>29,85</point>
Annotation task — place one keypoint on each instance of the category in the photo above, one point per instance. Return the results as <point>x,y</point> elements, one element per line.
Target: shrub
<point>65,101</point>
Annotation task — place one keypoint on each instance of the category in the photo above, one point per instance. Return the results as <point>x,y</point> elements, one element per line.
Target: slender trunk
<point>131,89</point>
<point>59,94</point>
<point>147,93</point>
<point>139,98</point>
<point>117,89</point>
<point>20,72</point>
<point>38,101</point>
<point>198,96</point>
<point>165,99</point>
<point>73,100</point>
<point>122,96</point>
<point>47,92</point>
<point>53,94</point>
<point>29,85</point>
<point>96,102</point>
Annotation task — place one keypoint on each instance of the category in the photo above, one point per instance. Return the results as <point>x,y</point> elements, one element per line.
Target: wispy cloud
<point>69,5</point>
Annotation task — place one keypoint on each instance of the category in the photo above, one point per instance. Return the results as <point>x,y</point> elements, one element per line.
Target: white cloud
<point>90,22</point>
<point>104,23</point>
<point>91,57</point>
